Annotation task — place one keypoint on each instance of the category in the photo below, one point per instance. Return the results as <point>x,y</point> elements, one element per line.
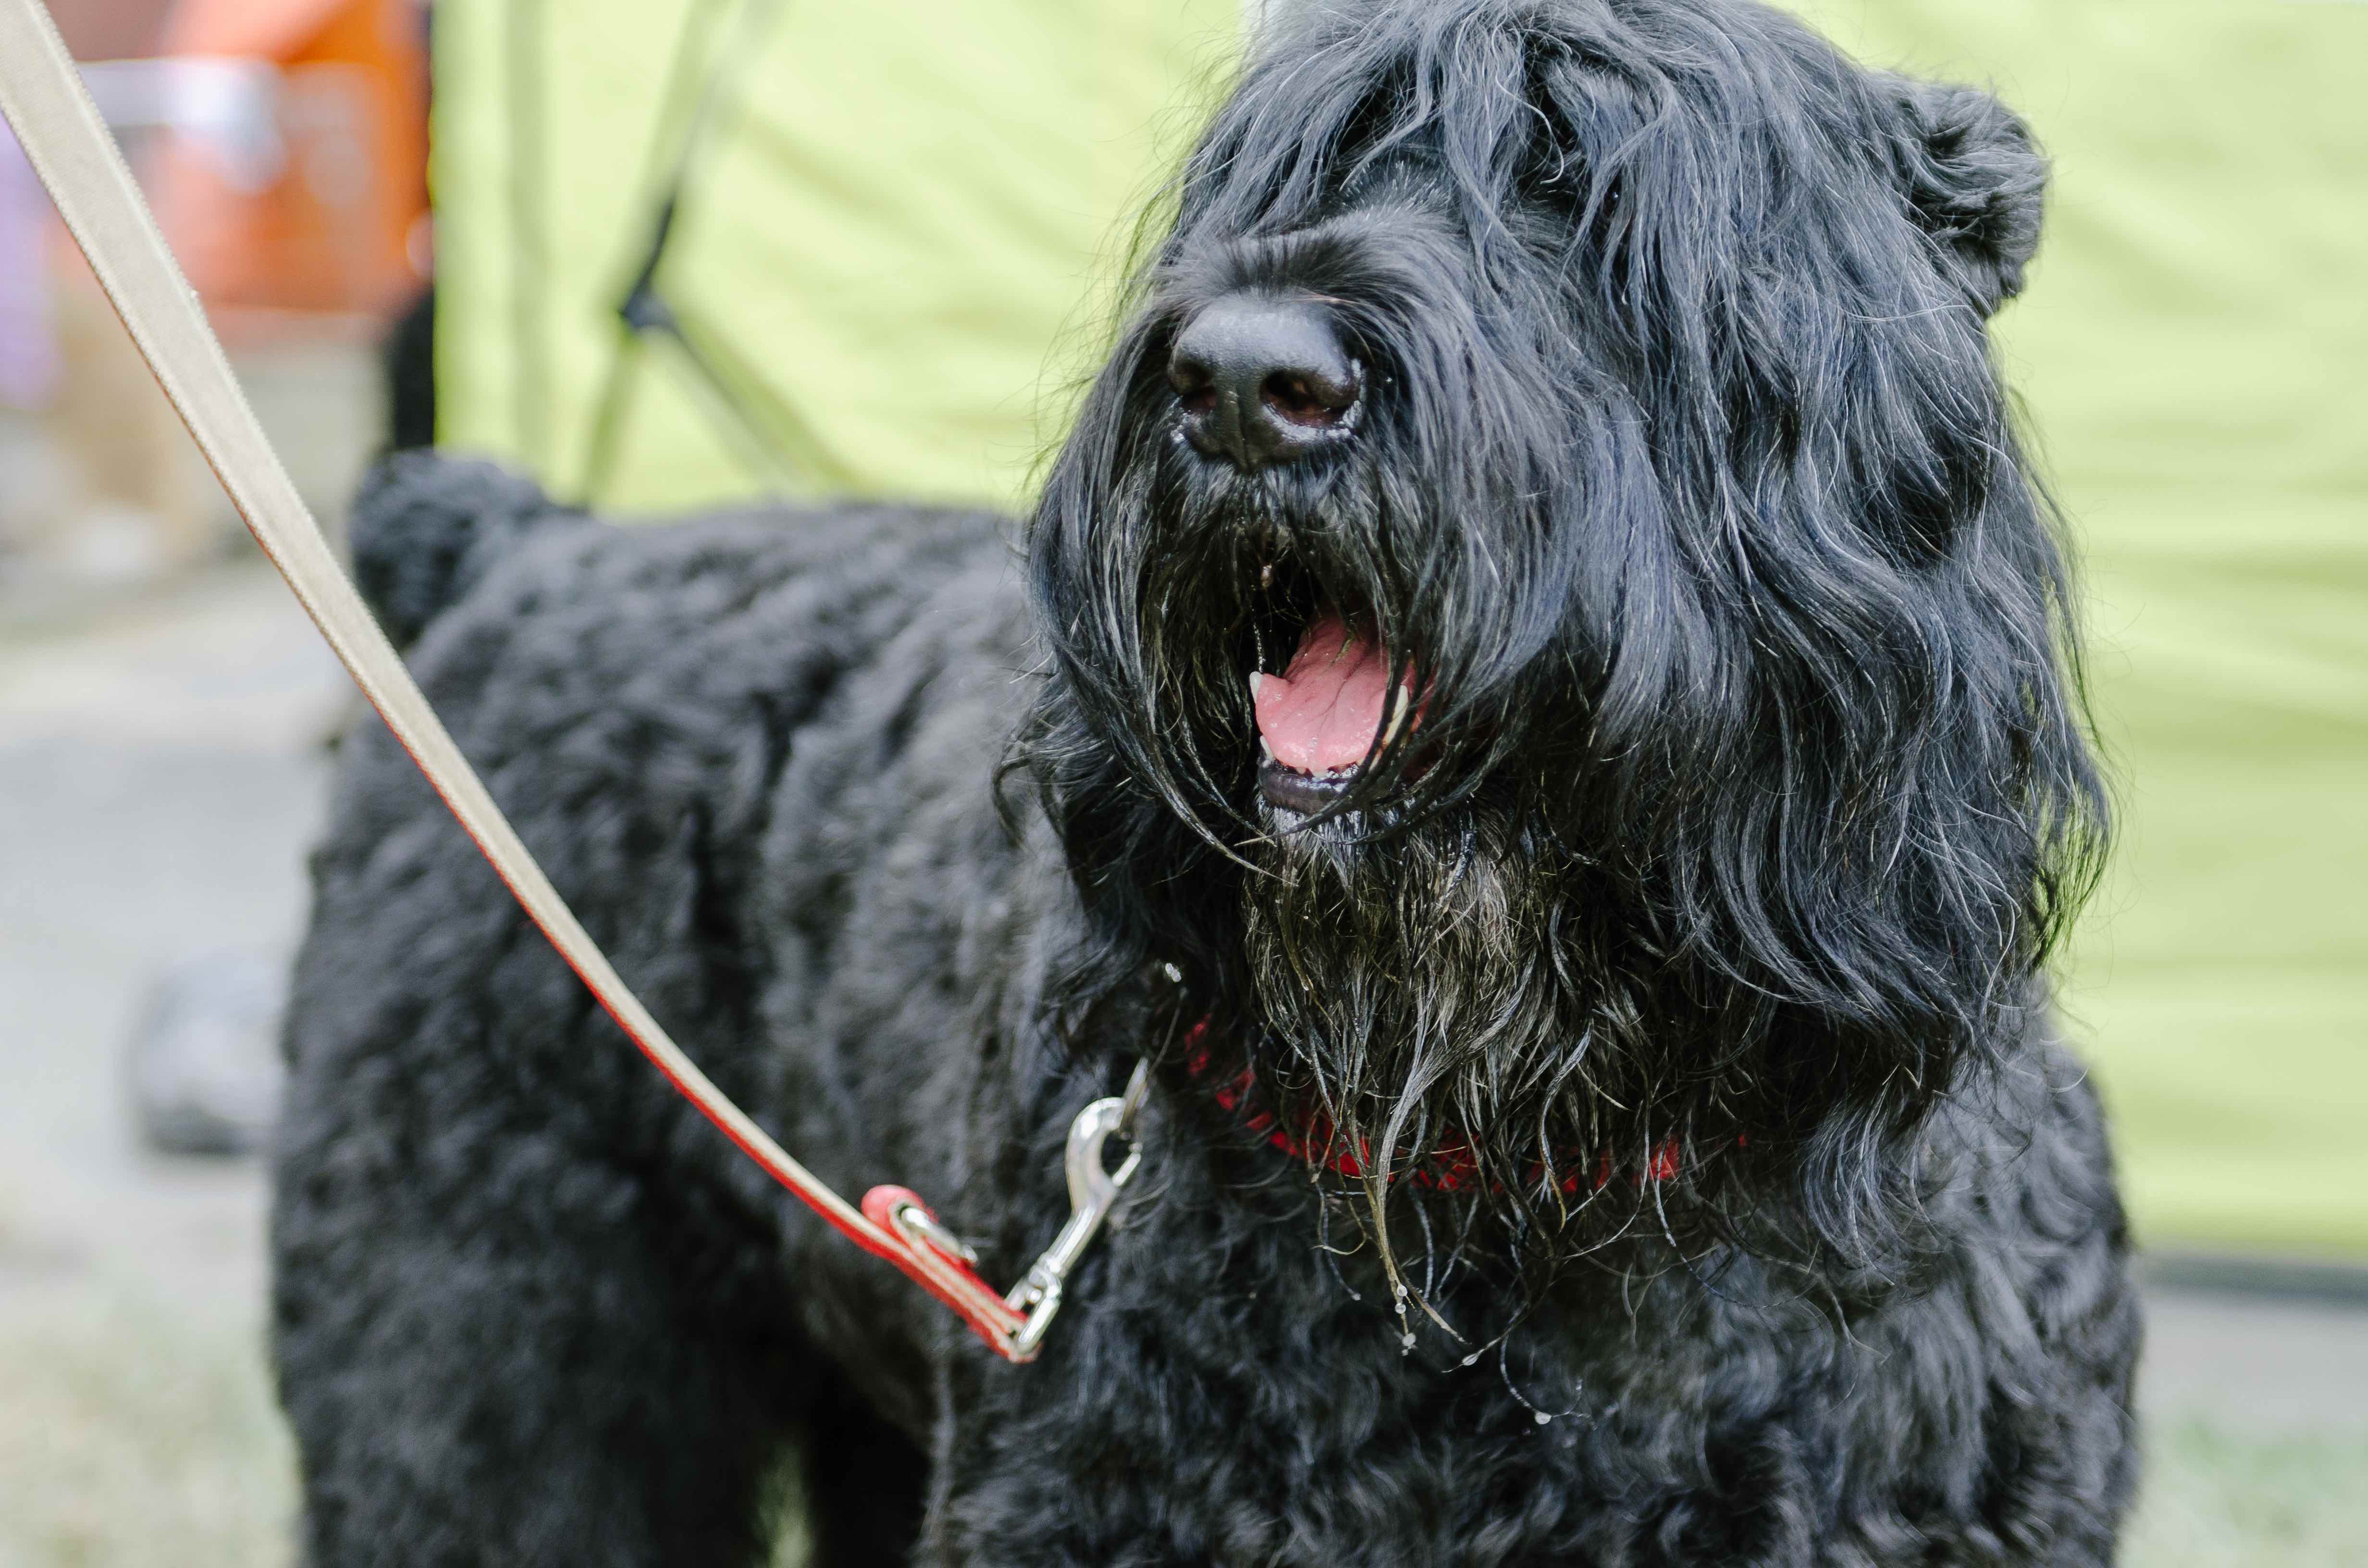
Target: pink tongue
<point>1321,715</point>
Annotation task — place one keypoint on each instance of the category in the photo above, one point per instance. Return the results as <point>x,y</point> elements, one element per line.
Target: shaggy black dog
<point>1540,697</point>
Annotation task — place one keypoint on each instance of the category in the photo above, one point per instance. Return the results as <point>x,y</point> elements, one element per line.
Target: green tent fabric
<point>906,229</point>
<point>893,241</point>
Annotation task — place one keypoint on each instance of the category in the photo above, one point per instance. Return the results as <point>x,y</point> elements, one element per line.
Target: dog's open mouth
<point>1319,718</point>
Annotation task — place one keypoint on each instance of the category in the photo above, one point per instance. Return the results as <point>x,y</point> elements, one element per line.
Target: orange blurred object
<point>329,223</point>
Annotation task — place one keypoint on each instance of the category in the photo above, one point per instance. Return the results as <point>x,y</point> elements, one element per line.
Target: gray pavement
<point>2267,1367</point>
<point>161,774</point>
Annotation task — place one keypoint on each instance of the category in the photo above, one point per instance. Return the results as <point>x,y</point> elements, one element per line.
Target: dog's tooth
<point>1398,708</point>
<point>1255,677</point>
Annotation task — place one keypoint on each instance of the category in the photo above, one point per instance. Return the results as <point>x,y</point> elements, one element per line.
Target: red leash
<point>43,97</point>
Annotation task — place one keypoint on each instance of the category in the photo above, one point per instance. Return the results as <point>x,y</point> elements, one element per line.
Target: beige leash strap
<point>42,97</point>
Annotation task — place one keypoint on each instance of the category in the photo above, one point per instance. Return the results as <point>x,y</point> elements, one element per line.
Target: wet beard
<point>1422,1029</point>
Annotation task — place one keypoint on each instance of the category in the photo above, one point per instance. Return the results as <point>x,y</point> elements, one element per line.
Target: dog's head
<point>1551,633</point>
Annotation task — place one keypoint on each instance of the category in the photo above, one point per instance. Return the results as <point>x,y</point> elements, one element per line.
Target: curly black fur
<point>1701,913</point>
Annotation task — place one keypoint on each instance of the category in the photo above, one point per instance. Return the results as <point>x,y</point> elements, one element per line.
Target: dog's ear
<point>426,526</point>
<point>1976,181</point>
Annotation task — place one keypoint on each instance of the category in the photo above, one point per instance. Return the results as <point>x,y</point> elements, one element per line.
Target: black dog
<point>1541,698</point>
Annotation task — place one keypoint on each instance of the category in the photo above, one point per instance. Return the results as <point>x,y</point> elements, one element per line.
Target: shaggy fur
<point>1684,1169</point>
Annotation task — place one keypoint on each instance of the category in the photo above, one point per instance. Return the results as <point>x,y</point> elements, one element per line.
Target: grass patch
<point>2215,1498</point>
<point>128,1438</point>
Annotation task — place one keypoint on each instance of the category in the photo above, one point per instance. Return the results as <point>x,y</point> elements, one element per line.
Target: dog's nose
<point>1262,380</point>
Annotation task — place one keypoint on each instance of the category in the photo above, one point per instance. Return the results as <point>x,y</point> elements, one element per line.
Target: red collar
<point>1451,1167</point>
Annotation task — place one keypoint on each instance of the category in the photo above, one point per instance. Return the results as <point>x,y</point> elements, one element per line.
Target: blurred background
<point>680,251</point>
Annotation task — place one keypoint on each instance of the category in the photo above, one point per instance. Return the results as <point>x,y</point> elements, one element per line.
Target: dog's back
<point>661,710</point>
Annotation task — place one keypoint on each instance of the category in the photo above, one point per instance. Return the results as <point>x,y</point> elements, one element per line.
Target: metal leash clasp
<point>1093,1190</point>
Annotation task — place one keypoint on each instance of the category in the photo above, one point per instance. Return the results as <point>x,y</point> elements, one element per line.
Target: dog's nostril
<point>1304,399</point>
<point>1198,399</point>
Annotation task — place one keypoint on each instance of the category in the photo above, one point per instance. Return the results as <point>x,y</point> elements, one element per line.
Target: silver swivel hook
<point>1093,1192</point>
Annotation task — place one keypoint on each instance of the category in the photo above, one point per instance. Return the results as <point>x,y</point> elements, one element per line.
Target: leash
<point>43,98</point>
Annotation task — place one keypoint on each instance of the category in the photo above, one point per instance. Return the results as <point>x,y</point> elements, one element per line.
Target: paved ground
<point>161,773</point>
